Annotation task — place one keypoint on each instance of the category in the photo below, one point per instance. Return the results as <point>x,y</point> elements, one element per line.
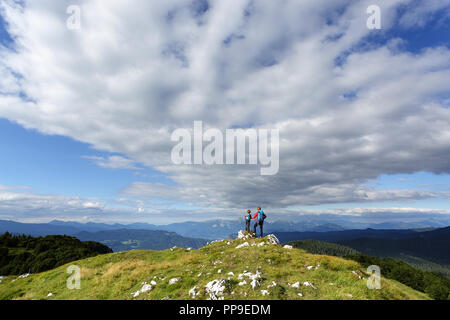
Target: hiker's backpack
<point>261,215</point>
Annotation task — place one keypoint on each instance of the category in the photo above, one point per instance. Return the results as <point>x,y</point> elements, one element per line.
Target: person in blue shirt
<point>259,216</point>
<point>248,218</point>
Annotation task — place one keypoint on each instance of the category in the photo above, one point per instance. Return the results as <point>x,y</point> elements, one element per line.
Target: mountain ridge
<point>236,269</point>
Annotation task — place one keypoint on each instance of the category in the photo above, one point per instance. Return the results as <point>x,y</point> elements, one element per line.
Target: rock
<point>25,275</point>
<point>349,295</point>
<point>165,298</point>
<point>242,283</point>
<point>255,283</point>
<point>272,239</point>
<point>245,235</point>
<point>153,283</point>
<point>309,284</point>
<point>261,244</point>
<point>50,294</point>
<point>189,249</point>
<point>264,292</point>
<point>230,273</point>
<point>199,275</point>
<point>309,267</point>
<point>250,275</point>
<point>273,284</point>
<point>145,288</point>
<point>295,285</point>
<point>286,246</point>
<point>173,280</point>
<point>193,293</point>
<point>299,294</point>
<point>216,288</point>
<point>245,244</point>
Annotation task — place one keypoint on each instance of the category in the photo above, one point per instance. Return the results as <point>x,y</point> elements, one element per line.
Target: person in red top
<point>259,216</point>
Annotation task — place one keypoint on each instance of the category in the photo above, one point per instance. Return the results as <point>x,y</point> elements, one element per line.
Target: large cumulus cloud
<point>348,110</point>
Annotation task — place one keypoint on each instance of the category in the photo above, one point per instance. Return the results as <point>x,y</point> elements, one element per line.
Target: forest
<point>20,254</point>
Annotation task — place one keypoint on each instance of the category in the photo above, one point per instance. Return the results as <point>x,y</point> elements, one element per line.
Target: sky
<point>86,114</point>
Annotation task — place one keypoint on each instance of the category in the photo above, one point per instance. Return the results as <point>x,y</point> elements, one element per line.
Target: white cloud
<point>133,74</point>
<point>113,162</point>
<point>23,200</point>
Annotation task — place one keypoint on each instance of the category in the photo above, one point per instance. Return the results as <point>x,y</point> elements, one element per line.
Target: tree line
<point>21,254</point>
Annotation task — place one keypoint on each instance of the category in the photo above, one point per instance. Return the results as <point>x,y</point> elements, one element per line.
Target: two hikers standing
<point>259,216</point>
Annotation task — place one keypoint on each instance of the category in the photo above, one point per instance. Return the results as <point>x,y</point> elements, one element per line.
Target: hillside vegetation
<point>435,285</point>
<point>230,269</point>
<point>322,247</point>
<point>25,254</point>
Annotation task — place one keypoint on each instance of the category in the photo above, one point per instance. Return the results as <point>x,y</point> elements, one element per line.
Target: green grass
<point>119,275</point>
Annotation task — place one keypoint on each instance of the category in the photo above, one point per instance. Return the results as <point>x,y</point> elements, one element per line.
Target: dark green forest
<point>21,254</point>
<point>433,284</point>
<point>322,247</point>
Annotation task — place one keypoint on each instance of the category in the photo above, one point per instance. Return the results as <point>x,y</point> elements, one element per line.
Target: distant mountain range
<point>130,239</point>
<point>211,230</point>
<point>215,229</point>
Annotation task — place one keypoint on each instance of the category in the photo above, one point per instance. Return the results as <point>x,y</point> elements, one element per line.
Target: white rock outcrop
<point>245,244</point>
<point>193,293</point>
<point>145,288</point>
<point>309,284</point>
<point>255,283</point>
<point>216,288</point>
<point>252,276</point>
<point>272,239</point>
<point>243,235</point>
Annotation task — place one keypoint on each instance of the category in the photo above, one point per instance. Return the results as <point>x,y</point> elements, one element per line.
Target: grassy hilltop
<point>258,270</point>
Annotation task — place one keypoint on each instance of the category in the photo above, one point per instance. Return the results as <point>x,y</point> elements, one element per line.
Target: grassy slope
<point>118,275</point>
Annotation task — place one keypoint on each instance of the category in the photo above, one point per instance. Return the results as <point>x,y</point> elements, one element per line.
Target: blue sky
<point>52,164</point>
<point>124,103</point>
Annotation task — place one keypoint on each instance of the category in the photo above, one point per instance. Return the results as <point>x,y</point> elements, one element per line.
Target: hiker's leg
<point>254,228</point>
<point>261,227</point>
